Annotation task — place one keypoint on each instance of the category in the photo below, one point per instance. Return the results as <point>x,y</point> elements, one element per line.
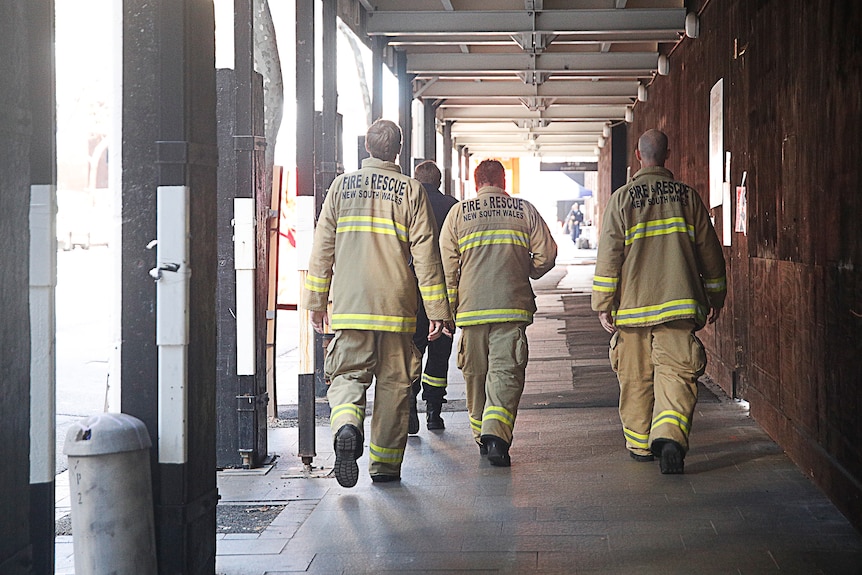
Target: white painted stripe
<point>43,356</point>
<point>172,323</point>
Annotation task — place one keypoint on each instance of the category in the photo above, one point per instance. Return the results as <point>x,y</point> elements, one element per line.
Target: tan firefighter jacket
<point>373,221</point>
<point>659,258</point>
<point>491,246</point>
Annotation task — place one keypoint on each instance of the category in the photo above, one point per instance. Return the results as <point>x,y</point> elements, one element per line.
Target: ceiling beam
<point>559,40</point>
<point>498,128</point>
<point>608,64</point>
<point>496,89</point>
<point>523,137</point>
<point>508,22</point>
<point>572,113</point>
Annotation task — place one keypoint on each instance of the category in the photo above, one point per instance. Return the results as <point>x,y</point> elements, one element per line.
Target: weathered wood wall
<point>790,339</point>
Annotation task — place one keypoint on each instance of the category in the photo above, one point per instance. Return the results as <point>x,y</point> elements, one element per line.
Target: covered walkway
<point>572,502</point>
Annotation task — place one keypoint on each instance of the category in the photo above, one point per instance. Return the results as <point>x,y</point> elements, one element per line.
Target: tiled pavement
<point>572,502</point>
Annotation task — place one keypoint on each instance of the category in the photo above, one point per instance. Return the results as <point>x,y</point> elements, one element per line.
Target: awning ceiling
<point>526,77</point>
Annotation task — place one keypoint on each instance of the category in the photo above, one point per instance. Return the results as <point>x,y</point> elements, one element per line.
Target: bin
<point>111,495</point>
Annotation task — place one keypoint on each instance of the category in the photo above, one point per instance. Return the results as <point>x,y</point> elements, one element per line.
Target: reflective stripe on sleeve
<point>316,284</point>
<point>452,294</point>
<point>433,293</point>
<point>714,285</point>
<point>605,284</point>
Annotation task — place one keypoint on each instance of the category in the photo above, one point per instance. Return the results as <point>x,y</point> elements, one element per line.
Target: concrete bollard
<point>112,503</point>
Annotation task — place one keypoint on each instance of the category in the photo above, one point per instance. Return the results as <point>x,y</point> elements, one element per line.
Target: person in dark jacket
<point>433,381</point>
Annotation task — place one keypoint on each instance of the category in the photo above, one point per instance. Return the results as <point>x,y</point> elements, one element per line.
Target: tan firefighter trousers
<point>493,358</point>
<point>354,358</point>
<point>657,368</point>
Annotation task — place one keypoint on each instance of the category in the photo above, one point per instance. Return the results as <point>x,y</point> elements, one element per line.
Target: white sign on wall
<point>716,144</point>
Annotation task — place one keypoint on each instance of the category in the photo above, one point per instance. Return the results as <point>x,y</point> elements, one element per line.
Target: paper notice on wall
<point>741,210</point>
<point>716,143</point>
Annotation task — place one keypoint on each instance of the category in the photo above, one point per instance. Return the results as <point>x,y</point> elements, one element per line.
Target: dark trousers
<point>433,380</point>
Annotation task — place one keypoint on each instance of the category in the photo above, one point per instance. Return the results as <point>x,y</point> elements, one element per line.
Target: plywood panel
<point>797,331</point>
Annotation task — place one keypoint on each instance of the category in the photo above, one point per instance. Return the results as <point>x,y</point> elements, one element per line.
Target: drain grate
<point>245,518</point>
<point>229,519</point>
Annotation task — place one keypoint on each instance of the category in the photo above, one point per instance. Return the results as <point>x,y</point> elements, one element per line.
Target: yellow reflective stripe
<point>659,228</point>
<point>354,412</point>
<point>476,425</point>
<point>372,322</point>
<point>373,225</point>
<point>492,237</point>
<point>605,284</point>
<point>433,293</point>
<point>434,381</point>
<point>492,316</point>
<point>715,284</point>
<point>660,312</point>
<point>500,414</point>
<point>385,454</point>
<point>316,284</point>
<point>636,439</point>
<point>452,294</point>
<point>673,418</point>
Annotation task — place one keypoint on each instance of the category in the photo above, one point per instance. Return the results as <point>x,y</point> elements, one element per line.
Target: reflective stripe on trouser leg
<point>679,359</point>
<point>349,364</point>
<point>630,359</point>
<point>398,365</point>
<point>507,364</point>
<point>434,377</point>
<point>473,363</point>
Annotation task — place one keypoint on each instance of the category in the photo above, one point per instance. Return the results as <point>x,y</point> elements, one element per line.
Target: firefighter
<point>491,246</point>
<point>659,277</point>
<point>434,375</point>
<point>373,222</point>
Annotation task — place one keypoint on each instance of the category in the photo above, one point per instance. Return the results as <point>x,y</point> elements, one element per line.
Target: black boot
<point>434,421</point>
<point>413,421</point>
<point>498,451</point>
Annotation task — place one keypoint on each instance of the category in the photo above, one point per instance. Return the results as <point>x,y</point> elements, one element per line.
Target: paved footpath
<point>572,502</point>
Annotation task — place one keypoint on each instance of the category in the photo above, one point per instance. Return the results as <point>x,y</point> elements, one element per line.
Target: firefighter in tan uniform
<point>372,223</point>
<point>491,246</point>
<point>660,276</point>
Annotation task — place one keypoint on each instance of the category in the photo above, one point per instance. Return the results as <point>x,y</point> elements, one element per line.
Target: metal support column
<point>168,113</point>
<point>447,158</point>
<point>43,281</point>
<point>306,215</point>
<point>430,130</point>
<point>328,140</point>
<point>619,155</point>
<point>405,112</point>
<point>250,213</point>
<point>377,47</point>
